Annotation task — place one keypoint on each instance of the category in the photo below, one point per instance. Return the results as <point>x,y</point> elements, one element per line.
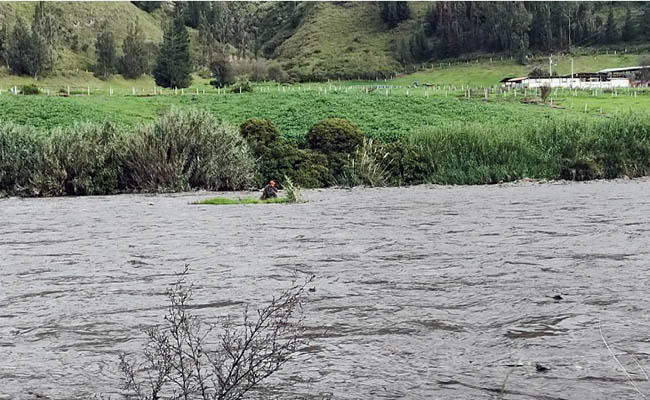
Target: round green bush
<point>334,135</point>
<point>30,89</point>
<point>260,135</point>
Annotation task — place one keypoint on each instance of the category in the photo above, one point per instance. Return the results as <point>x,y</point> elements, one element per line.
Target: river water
<point>425,292</point>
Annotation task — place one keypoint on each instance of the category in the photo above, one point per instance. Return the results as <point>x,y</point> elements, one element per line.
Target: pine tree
<point>173,65</point>
<point>134,61</point>
<point>20,50</point>
<point>629,28</point>
<point>44,38</point>
<point>106,55</point>
<point>611,31</point>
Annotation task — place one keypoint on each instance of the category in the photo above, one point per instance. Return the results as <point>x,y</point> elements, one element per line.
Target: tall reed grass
<point>556,149</point>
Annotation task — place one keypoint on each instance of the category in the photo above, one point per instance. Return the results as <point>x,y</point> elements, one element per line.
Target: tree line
<point>450,29</point>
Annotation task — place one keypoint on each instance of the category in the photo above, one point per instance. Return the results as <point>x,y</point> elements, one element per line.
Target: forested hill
<point>320,40</point>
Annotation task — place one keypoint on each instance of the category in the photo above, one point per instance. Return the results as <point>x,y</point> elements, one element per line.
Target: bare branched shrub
<point>545,91</point>
<point>180,362</point>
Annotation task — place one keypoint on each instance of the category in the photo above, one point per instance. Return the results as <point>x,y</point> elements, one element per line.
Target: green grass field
<point>383,113</point>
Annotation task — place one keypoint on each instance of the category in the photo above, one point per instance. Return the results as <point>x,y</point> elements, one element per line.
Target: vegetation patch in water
<point>244,200</point>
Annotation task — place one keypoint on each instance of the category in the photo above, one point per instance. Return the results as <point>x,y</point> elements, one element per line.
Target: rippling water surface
<point>422,292</point>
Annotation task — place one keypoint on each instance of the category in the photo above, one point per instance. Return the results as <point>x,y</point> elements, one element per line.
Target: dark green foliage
<point>30,89</point>
<point>106,55</point>
<point>277,73</point>
<point>394,12</point>
<point>629,27</point>
<point>134,61</point>
<point>277,158</point>
<point>334,135</point>
<point>182,150</point>
<point>478,154</point>
<point>644,25</point>
<point>44,39</point>
<point>222,73</point>
<point>148,6</point>
<point>260,134</point>
<point>173,65</point>
<point>243,86</point>
<point>611,30</point>
<point>78,160</point>
<point>336,138</point>
<point>20,51</point>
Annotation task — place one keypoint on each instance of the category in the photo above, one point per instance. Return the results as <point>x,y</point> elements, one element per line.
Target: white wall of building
<point>572,83</point>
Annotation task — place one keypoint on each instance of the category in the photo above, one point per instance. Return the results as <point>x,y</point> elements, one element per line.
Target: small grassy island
<point>243,200</point>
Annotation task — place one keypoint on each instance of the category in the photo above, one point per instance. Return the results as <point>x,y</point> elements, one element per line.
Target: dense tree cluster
<point>32,51</point>
<point>453,28</point>
<point>394,12</point>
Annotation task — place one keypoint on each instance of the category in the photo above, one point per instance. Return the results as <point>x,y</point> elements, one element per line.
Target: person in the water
<point>270,191</point>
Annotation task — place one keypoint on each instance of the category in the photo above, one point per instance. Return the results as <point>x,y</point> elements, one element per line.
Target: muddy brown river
<point>421,293</point>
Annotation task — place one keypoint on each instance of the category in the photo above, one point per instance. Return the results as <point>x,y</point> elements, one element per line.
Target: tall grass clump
<point>367,166</point>
<point>294,194</point>
<point>557,149</point>
<point>473,154</point>
<point>186,149</point>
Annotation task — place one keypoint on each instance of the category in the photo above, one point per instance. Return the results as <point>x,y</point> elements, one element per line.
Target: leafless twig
<point>179,366</point>
<point>629,377</point>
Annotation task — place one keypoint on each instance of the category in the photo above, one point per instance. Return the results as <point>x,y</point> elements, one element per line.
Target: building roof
<point>625,69</point>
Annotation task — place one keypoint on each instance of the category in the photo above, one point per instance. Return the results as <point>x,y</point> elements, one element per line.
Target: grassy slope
<point>86,19</point>
<point>340,38</point>
<point>486,73</point>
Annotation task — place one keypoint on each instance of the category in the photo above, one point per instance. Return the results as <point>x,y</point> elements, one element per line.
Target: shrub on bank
<point>30,89</point>
<point>336,138</point>
<point>78,160</point>
<point>186,149</point>
<point>276,157</point>
<point>20,147</point>
<point>182,150</point>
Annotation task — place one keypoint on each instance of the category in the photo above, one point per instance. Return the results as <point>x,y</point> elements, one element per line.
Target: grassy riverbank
<point>191,149</point>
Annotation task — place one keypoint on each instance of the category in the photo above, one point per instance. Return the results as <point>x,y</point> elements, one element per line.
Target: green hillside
<point>80,23</point>
<point>334,40</point>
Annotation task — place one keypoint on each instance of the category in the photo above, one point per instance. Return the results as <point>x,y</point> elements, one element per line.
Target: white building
<point>578,81</point>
